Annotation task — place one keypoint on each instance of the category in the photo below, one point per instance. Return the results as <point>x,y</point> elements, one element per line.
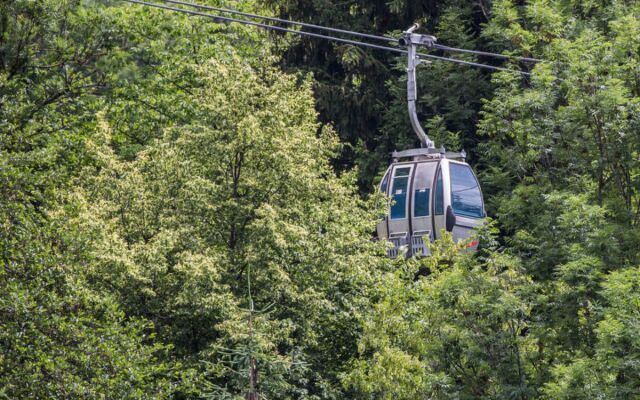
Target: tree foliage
<point>363,92</point>
<point>172,224</point>
<point>242,193</point>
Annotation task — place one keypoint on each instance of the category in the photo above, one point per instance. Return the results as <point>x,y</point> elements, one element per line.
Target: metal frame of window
<point>438,193</point>
<point>405,189</point>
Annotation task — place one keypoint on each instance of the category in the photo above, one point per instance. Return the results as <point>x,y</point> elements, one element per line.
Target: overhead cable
<point>484,53</point>
<point>471,63</point>
<point>280,20</point>
<point>266,26</point>
<point>346,32</point>
<point>319,36</point>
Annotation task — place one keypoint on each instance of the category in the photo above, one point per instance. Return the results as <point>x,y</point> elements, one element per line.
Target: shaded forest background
<point>186,207</point>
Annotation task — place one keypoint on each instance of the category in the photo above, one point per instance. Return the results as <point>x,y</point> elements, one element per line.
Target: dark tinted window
<point>399,193</point>
<point>439,198</point>
<point>421,202</point>
<point>466,198</point>
<point>384,183</point>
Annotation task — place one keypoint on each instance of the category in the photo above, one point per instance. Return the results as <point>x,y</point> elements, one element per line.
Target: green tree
<point>243,191</point>
<point>58,337</point>
<point>560,171</point>
<point>572,128</point>
<point>456,330</point>
<point>612,370</point>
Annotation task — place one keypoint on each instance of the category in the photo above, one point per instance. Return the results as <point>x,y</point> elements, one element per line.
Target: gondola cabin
<point>429,191</point>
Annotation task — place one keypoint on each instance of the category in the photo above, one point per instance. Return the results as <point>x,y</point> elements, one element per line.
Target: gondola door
<point>439,202</point>
<point>399,222</point>
<point>421,213</point>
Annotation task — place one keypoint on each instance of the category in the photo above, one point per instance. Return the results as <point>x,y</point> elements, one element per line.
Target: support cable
<point>387,39</point>
<point>280,20</point>
<point>266,26</point>
<point>485,53</point>
<point>320,36</point>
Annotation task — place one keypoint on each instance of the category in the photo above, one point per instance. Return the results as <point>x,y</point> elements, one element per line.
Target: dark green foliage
<point>362,93</point>
<point>171,225</point>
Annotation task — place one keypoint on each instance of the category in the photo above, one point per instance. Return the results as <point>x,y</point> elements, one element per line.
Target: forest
<point>187,205</point>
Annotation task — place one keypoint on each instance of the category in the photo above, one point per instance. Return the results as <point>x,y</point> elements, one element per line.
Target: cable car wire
<point>485,53</point>
<point>473,64</point>
<point>319,36</point>
<point>266,26</point>
<point>283,21</point>
<point>347,32</point>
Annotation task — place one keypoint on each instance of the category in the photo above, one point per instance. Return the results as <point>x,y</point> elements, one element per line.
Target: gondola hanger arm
<point>411,41</point>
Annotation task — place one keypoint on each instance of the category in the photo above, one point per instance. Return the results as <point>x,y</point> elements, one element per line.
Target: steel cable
<point>344,31</point>
<point>319,36</point>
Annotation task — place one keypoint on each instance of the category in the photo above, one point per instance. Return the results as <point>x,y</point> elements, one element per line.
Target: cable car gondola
<point>431,190</point>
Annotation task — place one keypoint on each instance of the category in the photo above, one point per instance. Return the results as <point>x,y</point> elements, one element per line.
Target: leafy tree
<point>183,269</point>
<point>559,168</point>
<point>242,192</point>
<point>572,129</point>
<point>58,337</point>
<point>460,330</point>
<point>612,371</point>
